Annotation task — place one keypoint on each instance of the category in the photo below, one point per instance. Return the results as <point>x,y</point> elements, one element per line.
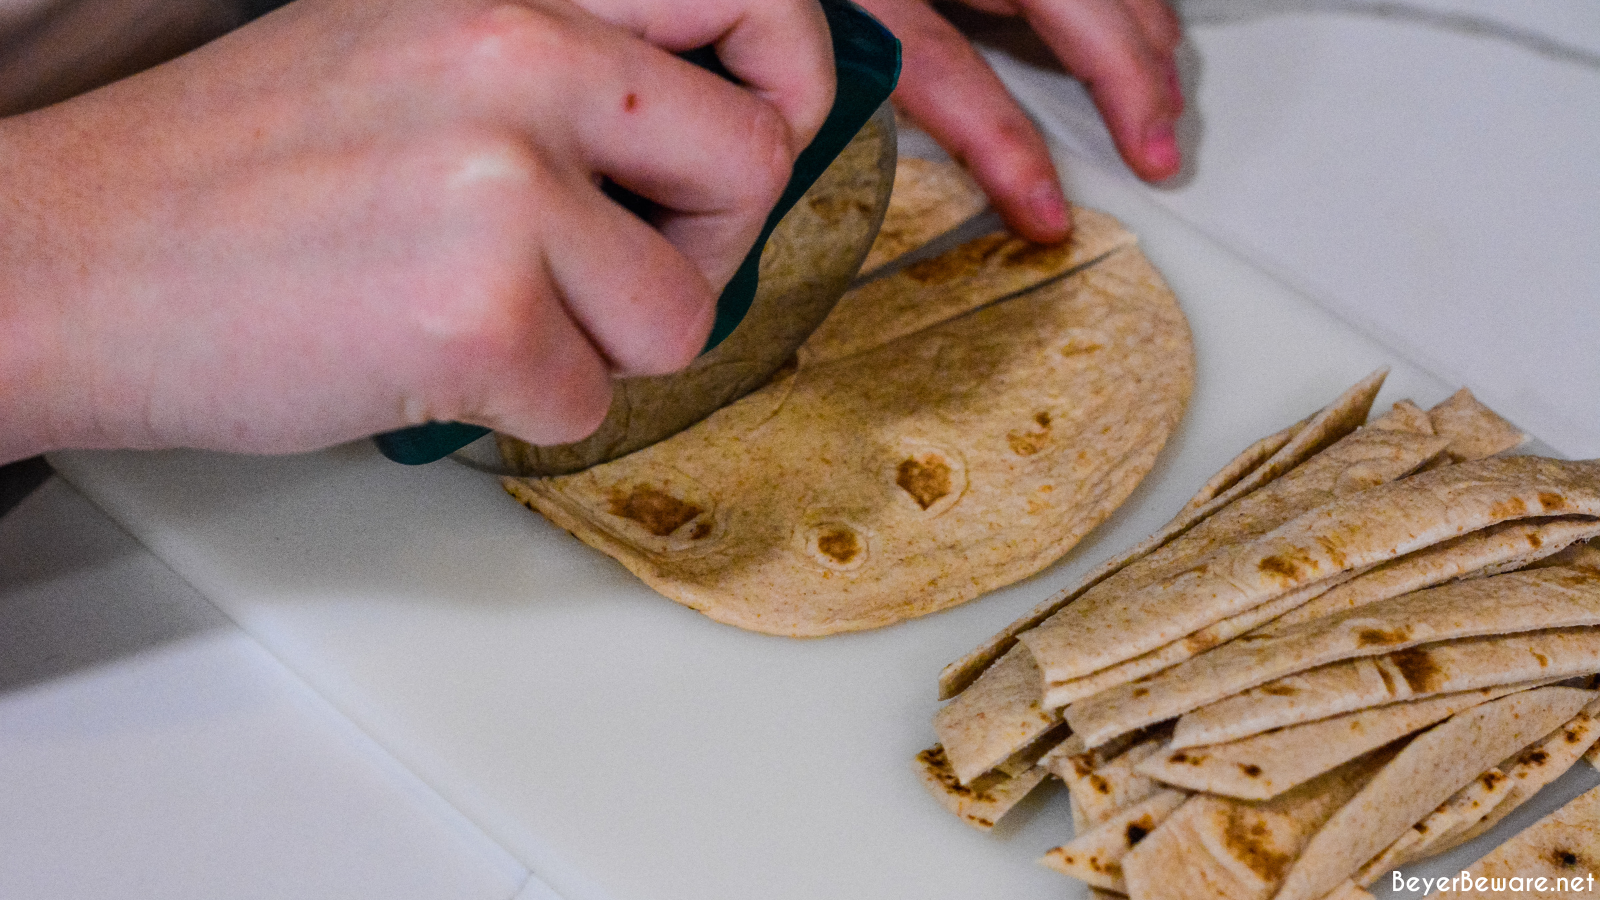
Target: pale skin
<point>348,216</point>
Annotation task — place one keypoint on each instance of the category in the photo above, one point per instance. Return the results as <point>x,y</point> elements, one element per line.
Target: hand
<point>1122,49</point>
<point>349,217</point>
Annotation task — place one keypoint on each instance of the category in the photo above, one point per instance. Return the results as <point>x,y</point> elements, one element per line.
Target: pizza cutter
<point>797,270</point>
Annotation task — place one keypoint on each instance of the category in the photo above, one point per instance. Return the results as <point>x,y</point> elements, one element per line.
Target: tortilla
<point>1531,770</point>
<point>1368,527</point>
<point>1264,765</point>
<point>1218,848</point>
<point>1247,472</point>
<point>906,479</point>
<point>929,199</point>
<point>1465,806</point>
<point>1432,767</point>
<point>966,278</point>
<point>1475,430</point>
<point>1447,667</point>
<point>1094,857</point>
<point>1562,845</point>
<point>1498,548</point>
<point>987,722</point>
<point>980,804</point>
<point>1348,891</point>
<point>1502,604</point>
<point>1405,416</point>
<point>1105,783</point>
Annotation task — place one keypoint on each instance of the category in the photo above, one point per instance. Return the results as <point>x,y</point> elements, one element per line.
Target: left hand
<point>1122,49</point>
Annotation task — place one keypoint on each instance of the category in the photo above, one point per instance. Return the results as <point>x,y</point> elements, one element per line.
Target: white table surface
<point>161,749</point>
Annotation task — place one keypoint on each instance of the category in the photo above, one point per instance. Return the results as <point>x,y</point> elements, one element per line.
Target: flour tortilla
<point>997,715</point>
<point>1247,472</point>
<point>905,479</point>
<point>1564,844</point>
<point>929,199</point>
<point>980,804</point>
<point>1264,765</point>
<point>1104,784</point>
<point>1432,767</point>
<point>1475,430</point>
<point>1465,806</point>
<point>1447,667</point>
<point>1514,602</point>
<point>1367,527</point>
<point>1498,548</point>
<point>1530,771</point>
<point>1218,848</point>
<point>1094,857</point>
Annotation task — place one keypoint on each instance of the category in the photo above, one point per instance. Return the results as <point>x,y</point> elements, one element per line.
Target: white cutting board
<point>626,748</point>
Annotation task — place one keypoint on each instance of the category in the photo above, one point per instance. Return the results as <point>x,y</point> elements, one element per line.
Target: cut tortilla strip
<point>1530,771</point>
<point>1218,848</point>
<point>1563,845</point>
<point>1105,783</point>
<point>929,199</point>
<point>1464,807</point>
<point>963,279</point>
<point>1514,602</point>
<point>980,804</point>
<point>1475,430</point>
<point>1498,548</point>
<point>1368,527</point>
<point>1431,768</point>
<point>835,499</point>
<point>1304,439</point>
<point>992,719</point>
<point>1264,765</point>
<point>1448,667</point>
<point>1095,857</point>
<point>1406,416</point>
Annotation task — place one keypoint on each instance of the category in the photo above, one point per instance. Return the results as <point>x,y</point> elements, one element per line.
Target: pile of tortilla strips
<point>1362,643</point>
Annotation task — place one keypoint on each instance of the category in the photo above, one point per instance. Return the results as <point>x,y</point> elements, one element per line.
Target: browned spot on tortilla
<point>1036,256</point>
<point>1141,692</point>
<point>1534,540</point>
<point>1509,509</point>
<point>1333,549</point>
<point>1552,501</point>
<point>658,511</point>
<point>1573,735</point>
<point>1380,637</point>
<point>1099,784</point>
<point>1564,858</point>
<point>840,544</point>
<point>925,478</point>
<point>1492,778</point>
<point>1279,690</point>
<point>1536,757</point>
<point>1250,770</point>
<point>1544,661</point>
<point>1248,841</point>
<point>1388,680</point>
<point>701,529</point>
<point>1137,830</point>
<point>831,207</point>
<point>1419,670</point>
<point>1201,641</point>
<point>961,262</point>
<point>1082,765</point>
<point>1027,443</point>
<point>1179,757</point>
<point>1289,566</point>
<point>1079,348</point>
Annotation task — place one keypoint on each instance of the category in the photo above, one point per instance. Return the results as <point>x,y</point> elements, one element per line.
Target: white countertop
<point>1368,190</point>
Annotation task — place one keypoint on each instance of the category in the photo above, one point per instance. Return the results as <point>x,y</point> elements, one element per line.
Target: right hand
<point>349,217</point>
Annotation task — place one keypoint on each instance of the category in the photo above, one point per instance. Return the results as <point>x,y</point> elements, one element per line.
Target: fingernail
<point>1049,207</point>
<point>1161,152</point>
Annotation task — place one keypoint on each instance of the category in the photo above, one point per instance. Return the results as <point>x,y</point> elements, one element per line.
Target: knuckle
<point>770,159</point>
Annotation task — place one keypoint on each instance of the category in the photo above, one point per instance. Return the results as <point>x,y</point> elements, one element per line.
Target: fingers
<point>948,89</point>
<point>1122,49</point>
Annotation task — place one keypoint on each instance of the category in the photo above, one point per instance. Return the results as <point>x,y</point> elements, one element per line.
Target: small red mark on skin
<point>630,102</point>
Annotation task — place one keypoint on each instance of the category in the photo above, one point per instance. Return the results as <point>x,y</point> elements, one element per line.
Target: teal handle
<point>867,59</point>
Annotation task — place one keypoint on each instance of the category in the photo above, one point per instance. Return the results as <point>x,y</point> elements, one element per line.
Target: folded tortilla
<point>1514,602</point>
<point>1451,666</point>
<point>1257,465</point>
<point>1431,768</point>
<point>1267,764</point>
<point>1368,527</point>
<point>1562,845</point>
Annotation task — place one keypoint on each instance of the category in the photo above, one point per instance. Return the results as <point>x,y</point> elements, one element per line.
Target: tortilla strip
<point>1264,765</point>
<point>1368,527</point>
<point>1406,416</point>
<point>1218,848</point>
<point>929,199</point>
<point>1094,857</point>
<point>1529,771</point>
<point>1433,766</point>
<point>1059,695</point>
<point>980,804</point>
<point>1464,807</point>
<point>1502,604</point>
<point>989,721</point>
<point>1564,844</point>
<point>1475,430</point>
<point>1104,784</point>
<point>1461,665</point>
<point>1498,548</point>
<point>963,279</point>
<point>1304,439</point>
